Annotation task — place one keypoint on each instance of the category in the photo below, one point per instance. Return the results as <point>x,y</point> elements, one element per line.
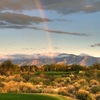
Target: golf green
<point>30,97</point>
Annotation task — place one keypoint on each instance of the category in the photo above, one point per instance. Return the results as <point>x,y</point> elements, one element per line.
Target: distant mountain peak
<point>48,58</point>
<point>83,54</point>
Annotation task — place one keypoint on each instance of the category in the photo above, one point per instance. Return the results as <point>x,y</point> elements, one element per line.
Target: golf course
<point>31,97</point>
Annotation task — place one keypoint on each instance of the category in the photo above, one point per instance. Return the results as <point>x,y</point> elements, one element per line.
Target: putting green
<point>31,97</point>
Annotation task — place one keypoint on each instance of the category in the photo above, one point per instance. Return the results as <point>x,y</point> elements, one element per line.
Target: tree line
<point>8,68</point>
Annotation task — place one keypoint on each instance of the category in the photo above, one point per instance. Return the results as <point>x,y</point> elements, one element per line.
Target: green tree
<point>7,67</point>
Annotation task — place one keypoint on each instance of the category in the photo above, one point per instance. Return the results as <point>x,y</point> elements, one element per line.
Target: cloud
<point>43,29</point>
<point>58,32</point>
<point>73,6</point>
<point>17,4</point>
<point>2,23</point>
<point>56,48</point>
<point>21,19</point>
<point>63,20</point>
<point>61,6</point>
<point>96,45</point>
<point>61,32</point>
<point>27,48</point>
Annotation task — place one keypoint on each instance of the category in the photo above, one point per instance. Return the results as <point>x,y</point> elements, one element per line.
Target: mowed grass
<point>56,73</point>
<point>31,97</point>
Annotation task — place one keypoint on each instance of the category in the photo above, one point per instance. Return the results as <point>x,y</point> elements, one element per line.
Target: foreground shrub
<point>18,87</point>
<point>84,95</point>
<point>97,97</point>
<point>63,91</point>
<point>77,85</point>
<point>95,88</point>
<point>70,88</point>
<point>82,81</point>
<point>94,82</point>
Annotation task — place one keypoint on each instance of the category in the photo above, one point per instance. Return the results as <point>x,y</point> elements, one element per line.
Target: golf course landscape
<point>31,97</point>
<point>49,82</point>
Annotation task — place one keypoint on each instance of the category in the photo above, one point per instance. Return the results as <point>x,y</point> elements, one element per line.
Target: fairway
<point>30,97</point>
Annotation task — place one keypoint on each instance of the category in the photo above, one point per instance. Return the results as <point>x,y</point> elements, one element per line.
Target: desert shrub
<point>70,88</point>
<point>36,90</point>
<point>26,77</point>
<point>86,87</point>
<point>13,90</point>
<point>1,84</point>
<point>97,97</point>
<point>63,92</point>
<point>94,82</point>
<point>2,78</point>
<point>84,95</point>
<point>36,80</point>
<point>18,79</point>
<point>59,79</point>
<point>26,87</point>
<point>68,79</point>
<point>72,76</point>
<point>18,87</point>
<point>77,85</point>
<point>54,83</point>
<point>81,73</point>
<point>49,89</point>
<point>82,81</point>
<point>1,89</point>
<point>95,88</point>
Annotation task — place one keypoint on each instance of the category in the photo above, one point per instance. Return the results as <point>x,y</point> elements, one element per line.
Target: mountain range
<point>48,58</point>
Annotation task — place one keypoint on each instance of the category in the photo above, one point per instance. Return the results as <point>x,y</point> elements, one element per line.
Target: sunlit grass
<point>31,97</point>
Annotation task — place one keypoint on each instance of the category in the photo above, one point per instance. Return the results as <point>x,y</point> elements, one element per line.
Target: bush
<point>77,85</point>
<point>97,97</point>
<point>70,88</point>
<point>63,92</point>
<point>18,87</point>
<point>95,88</point>
<point>95,66</point>
<point>68,79</point>
<point>84,95</point>
<point>94,82</point>
<point>75,67</point>
<point>82,81</point>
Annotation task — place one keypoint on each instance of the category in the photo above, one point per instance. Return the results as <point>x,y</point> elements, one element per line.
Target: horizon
<point>51,54</point>
<point>50,26</point>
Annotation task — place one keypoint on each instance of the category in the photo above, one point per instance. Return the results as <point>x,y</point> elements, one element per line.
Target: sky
<point>45,26</point>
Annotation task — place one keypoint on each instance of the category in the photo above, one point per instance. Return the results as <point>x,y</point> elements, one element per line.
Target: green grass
<point>55,73</point>
<point>31,97</point>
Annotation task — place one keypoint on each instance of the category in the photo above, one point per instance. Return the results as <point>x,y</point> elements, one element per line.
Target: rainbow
<point>42,14</point>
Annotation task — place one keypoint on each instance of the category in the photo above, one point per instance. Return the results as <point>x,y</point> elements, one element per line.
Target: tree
<point>7,67</point>
<point>75,67</point>
<point>95,66</point>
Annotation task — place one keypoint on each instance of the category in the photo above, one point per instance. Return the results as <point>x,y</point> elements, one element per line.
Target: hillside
<point>42,59</point>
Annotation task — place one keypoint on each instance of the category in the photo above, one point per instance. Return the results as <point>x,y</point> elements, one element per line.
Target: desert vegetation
<point>74,81</point>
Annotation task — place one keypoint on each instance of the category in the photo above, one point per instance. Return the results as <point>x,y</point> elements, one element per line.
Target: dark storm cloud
<point>96,45</point>
<point>61,6</point>
<point>16,18</point>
